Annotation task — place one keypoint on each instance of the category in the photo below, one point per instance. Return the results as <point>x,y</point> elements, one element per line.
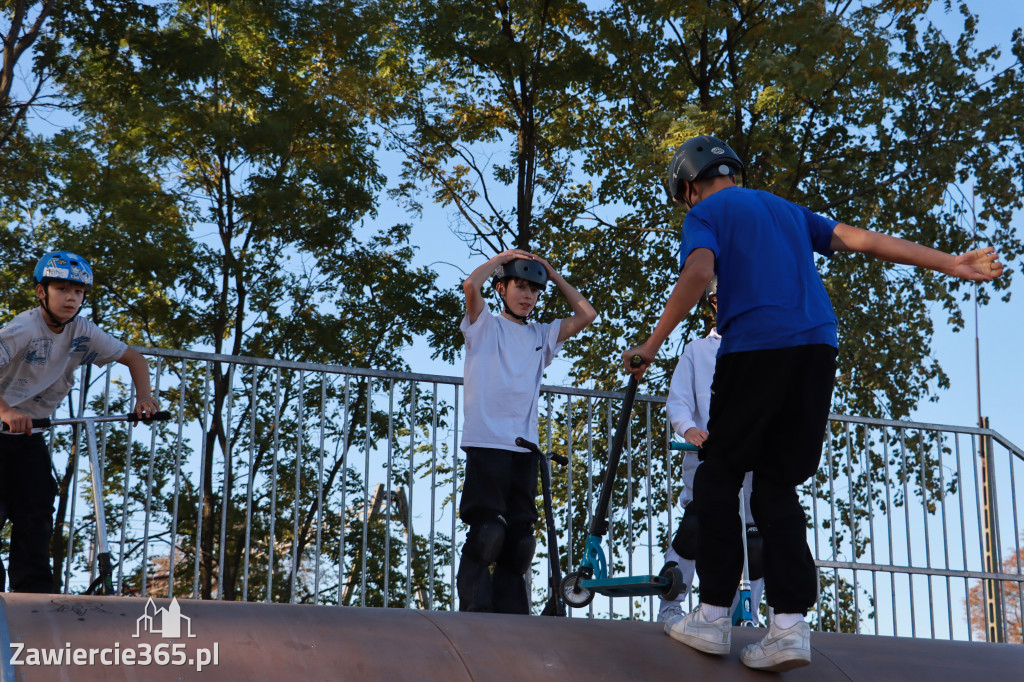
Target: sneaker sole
<point>701,644</point>
<point>774,665</point>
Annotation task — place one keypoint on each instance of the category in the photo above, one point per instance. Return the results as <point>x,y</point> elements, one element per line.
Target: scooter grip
<point>523,443</point>
<point>36,424</point>
<point>161,416</point>
<point>561,459</point>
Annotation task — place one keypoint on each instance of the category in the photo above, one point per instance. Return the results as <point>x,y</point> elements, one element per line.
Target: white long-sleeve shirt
<point>689,399</point>
<point>689,405</point>
<point>689,393</point>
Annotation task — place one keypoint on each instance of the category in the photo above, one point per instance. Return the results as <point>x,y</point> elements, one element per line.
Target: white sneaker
<point>670,613</point>
<point>714,637</point>
<point>780,650</point>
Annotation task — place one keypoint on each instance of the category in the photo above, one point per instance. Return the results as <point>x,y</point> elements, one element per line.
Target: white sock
<point>785,621</point>
<point>713,612</point>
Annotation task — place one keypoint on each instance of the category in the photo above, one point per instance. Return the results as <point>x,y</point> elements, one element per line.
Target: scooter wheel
<point>573,593</point>
<point>676,584</point>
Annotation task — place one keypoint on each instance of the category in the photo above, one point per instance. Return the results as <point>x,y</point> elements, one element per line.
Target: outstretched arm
<point>980,264</point>
<point>583,314</point>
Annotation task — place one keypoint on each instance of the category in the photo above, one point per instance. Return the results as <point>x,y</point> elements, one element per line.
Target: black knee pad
<point>755,553</point>
<point>522,553</point>
<point>685,540</point>
<point>486,541</point>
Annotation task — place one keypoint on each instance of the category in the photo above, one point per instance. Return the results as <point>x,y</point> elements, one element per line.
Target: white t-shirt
<point>37,367</point>
<point>505,362</point>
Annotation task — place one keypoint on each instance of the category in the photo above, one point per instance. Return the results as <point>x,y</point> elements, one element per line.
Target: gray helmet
<point>712,289</point>
<point>701,157</point>
<point>523,268</point>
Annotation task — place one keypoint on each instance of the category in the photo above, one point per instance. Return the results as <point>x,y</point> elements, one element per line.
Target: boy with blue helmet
<point>505,360</point>
<point>776,365</point>
<point>40,351</point>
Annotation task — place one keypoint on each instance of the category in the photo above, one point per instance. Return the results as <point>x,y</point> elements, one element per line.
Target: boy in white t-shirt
<point>505,360</point>
<point>40,351</point>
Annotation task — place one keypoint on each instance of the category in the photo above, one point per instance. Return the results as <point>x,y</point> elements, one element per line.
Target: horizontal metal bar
<point>911,570</point>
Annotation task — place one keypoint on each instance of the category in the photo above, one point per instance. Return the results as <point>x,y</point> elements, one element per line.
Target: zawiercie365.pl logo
<point>169,623</point>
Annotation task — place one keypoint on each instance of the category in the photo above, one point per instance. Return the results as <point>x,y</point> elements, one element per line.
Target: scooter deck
<point>629,586</point>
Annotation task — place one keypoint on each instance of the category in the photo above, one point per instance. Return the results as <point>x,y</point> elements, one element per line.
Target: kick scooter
<point>554,606</point>
<point>591,578</point>
<point>104,583</point>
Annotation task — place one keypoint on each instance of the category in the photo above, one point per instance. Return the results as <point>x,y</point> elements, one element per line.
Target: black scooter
<point>554,606</point>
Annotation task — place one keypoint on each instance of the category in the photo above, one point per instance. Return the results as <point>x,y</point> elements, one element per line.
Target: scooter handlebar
<point>532,447</point>
<point>47,422</point>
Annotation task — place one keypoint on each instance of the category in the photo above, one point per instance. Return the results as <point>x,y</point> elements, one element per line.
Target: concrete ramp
<point>45,637</point>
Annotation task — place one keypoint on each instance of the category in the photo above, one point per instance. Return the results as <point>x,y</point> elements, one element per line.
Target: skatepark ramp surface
<point>53,637</point>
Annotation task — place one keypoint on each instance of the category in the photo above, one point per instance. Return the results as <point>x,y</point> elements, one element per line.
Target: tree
<point>23,24</point>
<point>217,177</point>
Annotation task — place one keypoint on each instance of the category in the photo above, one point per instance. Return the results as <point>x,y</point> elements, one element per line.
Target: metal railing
<point>298,482</point>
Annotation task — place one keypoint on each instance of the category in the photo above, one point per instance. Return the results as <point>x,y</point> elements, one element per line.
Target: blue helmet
<point>63,265</point>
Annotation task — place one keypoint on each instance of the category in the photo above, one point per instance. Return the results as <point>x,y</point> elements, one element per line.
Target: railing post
<point>993,588</point>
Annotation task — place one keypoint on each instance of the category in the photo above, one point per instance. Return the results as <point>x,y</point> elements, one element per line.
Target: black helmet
<point>523,268</point>
<point>701,157</point>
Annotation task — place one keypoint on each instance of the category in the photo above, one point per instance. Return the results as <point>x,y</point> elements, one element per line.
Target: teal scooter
<point>580,587</point>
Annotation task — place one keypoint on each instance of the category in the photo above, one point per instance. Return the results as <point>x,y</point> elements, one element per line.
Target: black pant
<point>27,491</point>
<point>500,483</point>
<point>500,488</point>
<point>769,411</point>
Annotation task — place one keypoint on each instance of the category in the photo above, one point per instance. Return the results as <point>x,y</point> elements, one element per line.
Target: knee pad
<point>685,540</point>
<point>755,553</point>
<point>522,553</point>
<point>486,541</point>
<point>517,554</point>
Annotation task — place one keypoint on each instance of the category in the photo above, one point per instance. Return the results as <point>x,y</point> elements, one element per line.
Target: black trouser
<point>27,490</point>
<point>500,487</point>
<point>769,411</point>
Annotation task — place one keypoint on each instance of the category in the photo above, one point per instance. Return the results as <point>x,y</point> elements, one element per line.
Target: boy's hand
<point>695,436</point>
<point>551,272</point>
<point>146,407</point>
<point>980,265</point>
<point>512,254</point>
<point>17,422</point>
<point>646,357</point>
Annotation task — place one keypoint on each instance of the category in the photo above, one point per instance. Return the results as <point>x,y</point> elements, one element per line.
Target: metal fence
<point>286,481</point>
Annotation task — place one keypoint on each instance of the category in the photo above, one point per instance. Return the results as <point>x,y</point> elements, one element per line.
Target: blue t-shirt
<point>770,294</point>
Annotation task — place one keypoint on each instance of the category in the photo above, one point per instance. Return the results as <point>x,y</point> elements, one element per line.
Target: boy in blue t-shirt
<point>776,365</point>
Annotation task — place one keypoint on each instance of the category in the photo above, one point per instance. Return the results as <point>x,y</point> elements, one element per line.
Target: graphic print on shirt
<point>5,353</point>
<point>38,351</point>
<point>80,344</point>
